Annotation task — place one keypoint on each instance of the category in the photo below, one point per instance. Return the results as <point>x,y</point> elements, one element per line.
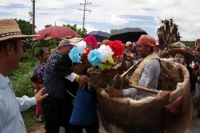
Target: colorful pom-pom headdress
<point>117,47</point>
<point>91,40</point>
<point>98,56</point>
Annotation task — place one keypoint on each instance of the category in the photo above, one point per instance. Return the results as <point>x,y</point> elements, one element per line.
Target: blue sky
<point>110,14</point>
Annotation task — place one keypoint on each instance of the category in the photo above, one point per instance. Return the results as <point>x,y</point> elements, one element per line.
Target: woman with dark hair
<point>42,56</point>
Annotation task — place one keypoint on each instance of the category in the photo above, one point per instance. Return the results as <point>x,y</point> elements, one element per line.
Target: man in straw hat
<point>146,74</point>
<point>11,51</point>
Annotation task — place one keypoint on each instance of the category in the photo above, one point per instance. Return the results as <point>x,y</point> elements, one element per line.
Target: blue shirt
<point>11,120</point>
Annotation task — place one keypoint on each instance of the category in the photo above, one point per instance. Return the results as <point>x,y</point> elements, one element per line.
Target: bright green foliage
<point>81,32</point>
<point>20,78</point>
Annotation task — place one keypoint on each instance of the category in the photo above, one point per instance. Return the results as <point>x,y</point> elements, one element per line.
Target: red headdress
<point>147,40</point>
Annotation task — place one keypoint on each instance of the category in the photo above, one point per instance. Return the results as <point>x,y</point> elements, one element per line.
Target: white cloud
<point>114,20</point>
<point>111,13</point>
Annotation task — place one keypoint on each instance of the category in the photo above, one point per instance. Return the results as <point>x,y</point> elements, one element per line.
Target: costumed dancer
<point>146,74</point>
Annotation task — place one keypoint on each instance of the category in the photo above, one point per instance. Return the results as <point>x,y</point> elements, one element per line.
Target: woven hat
<point>187,54</point>
<point>177,45</point>
<point>9,29</point>
<point>75,40</point>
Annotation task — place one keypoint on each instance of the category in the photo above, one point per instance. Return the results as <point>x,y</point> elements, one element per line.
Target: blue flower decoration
<point>74,55</point>
<point>94,57</point>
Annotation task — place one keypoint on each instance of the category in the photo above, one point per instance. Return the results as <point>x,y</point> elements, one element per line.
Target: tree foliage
<point>112,31</point>
<point>48,25</point>
<point>26,28</point>
<point>188,43</point>
<point>81,32</point>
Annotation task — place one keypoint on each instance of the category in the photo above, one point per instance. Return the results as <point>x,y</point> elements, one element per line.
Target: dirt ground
<point>194,127</point>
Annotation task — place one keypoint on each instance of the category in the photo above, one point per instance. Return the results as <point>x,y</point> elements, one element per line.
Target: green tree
<point>48,25</point>
<point>82,33</point>
<point>112,31</point>
<point>26,28</point>
<point>188,43</point>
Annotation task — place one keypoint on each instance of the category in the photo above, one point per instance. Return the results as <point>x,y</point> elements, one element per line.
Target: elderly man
<point>63,68</point>
<point>11,51</point>
<point>147,73</point>
<point>55,87</point>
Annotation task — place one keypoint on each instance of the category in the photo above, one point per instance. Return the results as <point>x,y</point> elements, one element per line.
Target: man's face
<point>17,55</point>
<point>143,50</point>
<point>179,58</point>
<point>67,48</point>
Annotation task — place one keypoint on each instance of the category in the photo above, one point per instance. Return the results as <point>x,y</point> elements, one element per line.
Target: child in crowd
<point>37,81</point>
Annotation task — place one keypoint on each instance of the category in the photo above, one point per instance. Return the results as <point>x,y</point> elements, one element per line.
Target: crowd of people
<point>61,75</point>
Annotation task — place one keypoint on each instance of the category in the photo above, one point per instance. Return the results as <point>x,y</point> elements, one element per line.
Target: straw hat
<point>9,29</point>
<point>177,45</point>
<point>187,54</point>
<point>75,40</point>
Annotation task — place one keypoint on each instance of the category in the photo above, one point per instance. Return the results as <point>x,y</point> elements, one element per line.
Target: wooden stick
<point>144,89</point>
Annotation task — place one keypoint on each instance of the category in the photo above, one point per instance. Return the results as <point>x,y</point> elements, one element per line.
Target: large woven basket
<point>126,115</point>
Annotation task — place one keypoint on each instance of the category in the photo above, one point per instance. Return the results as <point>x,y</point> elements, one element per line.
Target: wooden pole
<point>144,89</point>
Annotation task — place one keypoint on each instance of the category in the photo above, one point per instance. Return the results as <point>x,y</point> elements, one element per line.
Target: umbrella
<point>127,34</point>
<point>99,35</point>
<point>56,32</point>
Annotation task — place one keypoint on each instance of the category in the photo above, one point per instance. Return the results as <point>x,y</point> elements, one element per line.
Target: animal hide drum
<point>126,115</point>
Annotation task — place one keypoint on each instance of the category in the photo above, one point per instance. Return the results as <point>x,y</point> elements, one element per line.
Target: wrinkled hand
<point>83,80</point>
<point>38,96</point>
<point>112,92</point>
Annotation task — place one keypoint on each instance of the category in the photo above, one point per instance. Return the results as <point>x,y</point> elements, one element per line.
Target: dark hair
<point>14,42</point>
<point>34,78</point>
<point>37,55</point>
<point>41,51</point>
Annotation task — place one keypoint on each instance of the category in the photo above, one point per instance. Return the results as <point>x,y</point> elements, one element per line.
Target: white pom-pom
<point>105,52</point>
<point>81,47</point>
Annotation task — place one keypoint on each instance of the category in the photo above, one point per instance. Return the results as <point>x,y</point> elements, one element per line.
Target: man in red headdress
<point>146,74</point>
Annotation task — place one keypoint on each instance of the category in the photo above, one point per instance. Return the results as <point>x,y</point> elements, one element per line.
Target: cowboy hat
<point>177,45</point>
<point>187,54</point>
<point>9,29</point>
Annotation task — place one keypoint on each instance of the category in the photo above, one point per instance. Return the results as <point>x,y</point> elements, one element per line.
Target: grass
<point>20,79</point>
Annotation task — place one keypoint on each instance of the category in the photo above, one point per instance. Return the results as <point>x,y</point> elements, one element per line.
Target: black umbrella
<point>127,34</point>
<point>99,35</point>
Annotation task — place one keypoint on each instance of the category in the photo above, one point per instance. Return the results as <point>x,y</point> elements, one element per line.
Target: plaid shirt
<point>54,85</point>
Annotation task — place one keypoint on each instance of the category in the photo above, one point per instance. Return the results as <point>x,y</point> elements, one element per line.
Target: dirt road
<point>194,127</point>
